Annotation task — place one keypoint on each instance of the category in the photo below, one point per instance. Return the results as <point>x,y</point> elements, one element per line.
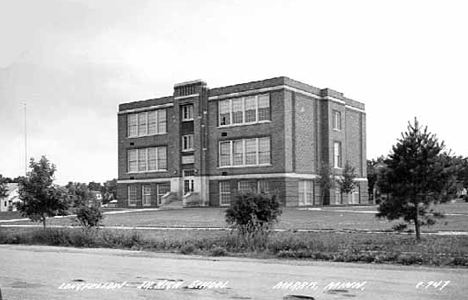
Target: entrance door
<point>189,181</point>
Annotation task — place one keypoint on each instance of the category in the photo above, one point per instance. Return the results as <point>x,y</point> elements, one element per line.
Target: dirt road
<point>40,272</point>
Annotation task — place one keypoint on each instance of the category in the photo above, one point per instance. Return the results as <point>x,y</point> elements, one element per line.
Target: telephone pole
<point>25,142</point>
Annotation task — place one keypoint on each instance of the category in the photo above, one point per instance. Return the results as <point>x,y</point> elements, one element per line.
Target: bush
<point>252,217</point>
<point>188,248</point>
<point>89,216</point>
<point>218,251</point>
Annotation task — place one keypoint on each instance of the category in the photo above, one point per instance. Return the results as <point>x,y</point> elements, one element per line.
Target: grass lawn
<point>337,218</point>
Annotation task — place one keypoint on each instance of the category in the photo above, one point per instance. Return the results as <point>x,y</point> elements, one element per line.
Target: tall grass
<point>349,247</point>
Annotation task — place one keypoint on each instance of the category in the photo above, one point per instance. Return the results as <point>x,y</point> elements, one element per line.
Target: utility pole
<point>25,142</point>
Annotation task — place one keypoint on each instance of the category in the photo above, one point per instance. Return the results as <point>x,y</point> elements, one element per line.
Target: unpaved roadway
<point>42,272</point>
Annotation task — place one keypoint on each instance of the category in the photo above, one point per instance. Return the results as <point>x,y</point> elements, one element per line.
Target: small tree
<point>252,216</point>
<point>417,176</point>
<point>347,180</point>
<point>40,197</point>
<point>326,181</point>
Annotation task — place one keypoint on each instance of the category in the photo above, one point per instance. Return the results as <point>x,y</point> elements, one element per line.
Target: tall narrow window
<point>132,195</point>
<point>152,159</point>
<point>250,109</point>
<point>146,195</point>
<point>142,124</point>
<point>263,187</point>
<point>187,142</point>
<point>336,120</point>
<point>161,190</point>
<point>187,112</point>
<point>224,193</point>
<point>161,121</point>
<point>132,125</point>
<point>337,155</point>
<point>162,158</point>
<point>142,160</point>
<point>251,152</point>
<point>224,112</point>
<point>237,111</point>
<point>238,153</point>
<point>133,160</point>
<point>306,192</point>
<point>264,150</point>
<point>263,107</point>
<point>224,154</point>
<point>152,129</point>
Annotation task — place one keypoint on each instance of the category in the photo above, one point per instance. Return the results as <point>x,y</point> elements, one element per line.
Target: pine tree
<point>417,176</point>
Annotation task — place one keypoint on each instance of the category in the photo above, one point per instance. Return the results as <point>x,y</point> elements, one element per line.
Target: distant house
<point>96,199</point>
<point>8,203</point>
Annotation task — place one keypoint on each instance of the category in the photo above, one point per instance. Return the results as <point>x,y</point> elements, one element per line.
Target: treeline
<point>78,193</point>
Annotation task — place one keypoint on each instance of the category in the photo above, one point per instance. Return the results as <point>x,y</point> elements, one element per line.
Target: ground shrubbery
<point>89,217</point>
<point>252,216</point>
<point>349,247</point>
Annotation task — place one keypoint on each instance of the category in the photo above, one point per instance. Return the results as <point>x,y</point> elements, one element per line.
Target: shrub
<point>89,216</point>
<point>252,217</point>
<point>218,251</point>
<point>188,248</point>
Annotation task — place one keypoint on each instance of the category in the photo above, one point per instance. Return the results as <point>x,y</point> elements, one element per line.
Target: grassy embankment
<point>341,247</point>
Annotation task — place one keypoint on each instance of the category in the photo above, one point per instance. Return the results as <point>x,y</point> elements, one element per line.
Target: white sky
<point>74,61</point>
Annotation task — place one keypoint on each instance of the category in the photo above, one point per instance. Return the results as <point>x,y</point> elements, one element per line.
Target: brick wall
<point>304,138</point>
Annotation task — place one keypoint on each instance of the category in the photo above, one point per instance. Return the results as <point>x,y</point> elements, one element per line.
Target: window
<point>147,160</point>
<point>246,110</point>
<point>146,195</point>
<point>336,120</point>
<point>246,186</point>
<point>306,192</point>
<point>238,153</point>
<point>237,111</point>
<point>161,190</point>
<point>224,154</point>
<point>146,123</point>
<point>132,195</point>
<point>132,125</point>
<point>263,187</point>
<point>337,155</point>
<point>187,112</point>
<point>161,120</point>
<point>187,142</point>
<point>264,150</point>
<point>263,107</point>
<point>246,152</point>
<point>224,112</point>
<point>250,152</point>
<point>189,181</point>
<point>224,193</point>
<point>250,109</point>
